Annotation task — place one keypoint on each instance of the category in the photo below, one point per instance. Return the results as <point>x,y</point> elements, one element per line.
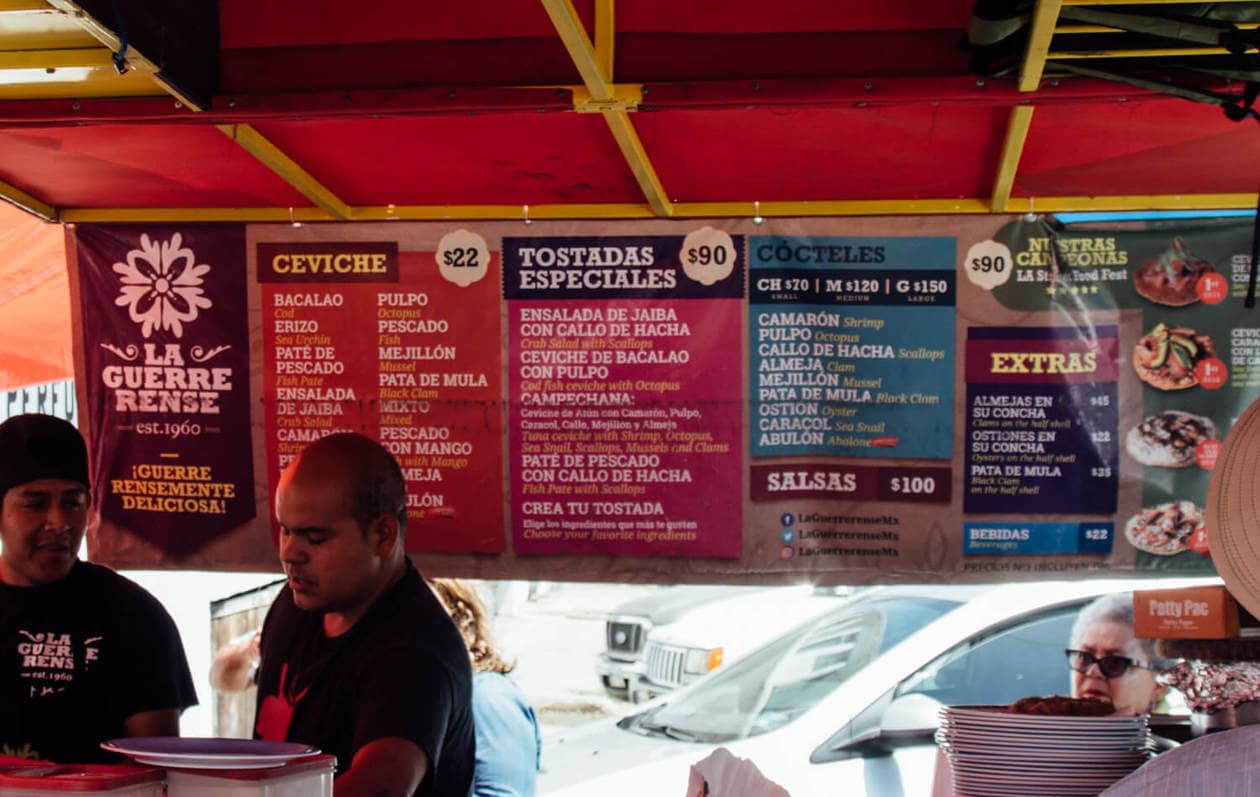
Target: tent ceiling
<point>313,110</point>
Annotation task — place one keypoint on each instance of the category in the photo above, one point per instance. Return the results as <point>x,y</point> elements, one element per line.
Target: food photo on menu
<point>1182,358</point>
<point>1172,278</point>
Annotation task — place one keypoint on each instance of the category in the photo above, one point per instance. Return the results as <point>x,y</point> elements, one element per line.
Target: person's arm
<point>159,722</point>
<point>233,667</point>
<point>158,685</point>
<point>388,767</point>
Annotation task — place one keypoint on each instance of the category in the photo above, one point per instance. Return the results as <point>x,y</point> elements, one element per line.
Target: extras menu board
<point>834,400</point>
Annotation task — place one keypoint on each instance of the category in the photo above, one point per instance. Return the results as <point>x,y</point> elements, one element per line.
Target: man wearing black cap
<point>85,654</point>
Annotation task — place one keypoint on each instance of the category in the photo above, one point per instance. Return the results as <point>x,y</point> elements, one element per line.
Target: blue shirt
<point>508,741</point>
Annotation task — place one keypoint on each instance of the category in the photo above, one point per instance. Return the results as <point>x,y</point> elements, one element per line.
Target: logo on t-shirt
<point>276,712</point>
<point>49,660</point>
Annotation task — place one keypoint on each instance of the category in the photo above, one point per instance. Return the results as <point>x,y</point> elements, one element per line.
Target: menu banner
<point>852,346</point>
<point>1042,420</point>
<point>839,400</point>
<point>625,403</point>
<point>362,337</point>
<point>166,371</point>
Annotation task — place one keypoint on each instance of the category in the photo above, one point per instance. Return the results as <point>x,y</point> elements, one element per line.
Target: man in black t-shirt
<point>85,655</point>
<point>358,657</point>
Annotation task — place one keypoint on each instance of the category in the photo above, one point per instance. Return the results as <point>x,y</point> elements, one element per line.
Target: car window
<point>1001,667</point>
<point>788,676</point>
<point>827,656</point>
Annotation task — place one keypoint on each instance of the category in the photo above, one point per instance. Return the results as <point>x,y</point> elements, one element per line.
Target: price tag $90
<point>708,255</point>
<point>988,264</point>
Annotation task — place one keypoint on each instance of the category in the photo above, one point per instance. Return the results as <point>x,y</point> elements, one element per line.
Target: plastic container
<point>8,764</point>
<point>311,776</point>
<point>1204,722</point>
<point>41,779</point>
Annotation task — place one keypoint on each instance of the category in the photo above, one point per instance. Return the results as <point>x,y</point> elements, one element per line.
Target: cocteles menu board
<point>851,399</point>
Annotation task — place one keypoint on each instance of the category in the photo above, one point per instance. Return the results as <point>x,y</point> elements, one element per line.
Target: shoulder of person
<point>104,583</point>
<point>415,658</point>
<point>498,688</point>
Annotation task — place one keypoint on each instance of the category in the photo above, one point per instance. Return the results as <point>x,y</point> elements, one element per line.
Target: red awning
<point>477,109</point>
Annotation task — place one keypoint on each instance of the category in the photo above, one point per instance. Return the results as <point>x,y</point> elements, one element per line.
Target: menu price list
<point>391,360</point>
<point>851,482</point>
<point>1042,421</point>
<point>852,346</point>
<point>615,431</point>
<point>1023,539</point>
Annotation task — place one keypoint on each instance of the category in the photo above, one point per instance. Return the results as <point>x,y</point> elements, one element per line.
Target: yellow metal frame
<point>605,36</point>
<point>90,57</point>
<point>1045,16</point>
<point>1012,148</point>
<point>596,72</point>
<point>46,40</point>
<point>135,59</point>
<point>100,84</point>
<point>1076,29</point>
<point>1163,52</point>
<point>7,6</point>
<point>19,198</point>
<point>688,210</point>
<point>625,97</point>
<point>288,170</point>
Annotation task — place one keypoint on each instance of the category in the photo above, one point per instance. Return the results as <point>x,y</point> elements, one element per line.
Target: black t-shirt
<point>401,671</point>
<point>80,656</point>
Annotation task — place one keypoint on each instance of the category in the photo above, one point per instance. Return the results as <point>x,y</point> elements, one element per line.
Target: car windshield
<point>785,678</point>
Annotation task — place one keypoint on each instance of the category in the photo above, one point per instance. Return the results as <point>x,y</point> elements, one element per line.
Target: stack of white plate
<point>994,753</point>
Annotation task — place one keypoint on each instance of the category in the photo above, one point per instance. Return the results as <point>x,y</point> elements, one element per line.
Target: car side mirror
<point>884,726</point>
<point>910,716</point>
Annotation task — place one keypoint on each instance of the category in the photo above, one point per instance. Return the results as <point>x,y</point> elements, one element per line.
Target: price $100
<point>914,485</point>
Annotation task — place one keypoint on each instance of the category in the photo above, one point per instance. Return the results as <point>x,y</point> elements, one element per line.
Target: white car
<point>845,703</point>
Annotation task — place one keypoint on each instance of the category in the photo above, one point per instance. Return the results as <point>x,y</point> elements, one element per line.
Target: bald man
<point>358,657</point>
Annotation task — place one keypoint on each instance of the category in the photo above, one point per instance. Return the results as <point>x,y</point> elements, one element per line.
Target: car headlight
<point>701,660</point>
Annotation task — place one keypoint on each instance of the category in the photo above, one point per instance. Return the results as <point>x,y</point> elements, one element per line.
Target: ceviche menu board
<point>360,337</point>
<point>838,400</point>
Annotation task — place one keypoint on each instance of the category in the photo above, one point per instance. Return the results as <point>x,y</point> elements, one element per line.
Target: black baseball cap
<point>36,446</point>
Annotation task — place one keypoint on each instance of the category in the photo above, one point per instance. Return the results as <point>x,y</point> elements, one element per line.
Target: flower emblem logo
<point>161,285</point>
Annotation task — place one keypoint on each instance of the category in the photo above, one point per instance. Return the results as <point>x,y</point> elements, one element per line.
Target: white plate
<point>207,753</point>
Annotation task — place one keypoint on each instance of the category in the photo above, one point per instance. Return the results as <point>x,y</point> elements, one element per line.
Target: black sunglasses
<point>1109,666</point>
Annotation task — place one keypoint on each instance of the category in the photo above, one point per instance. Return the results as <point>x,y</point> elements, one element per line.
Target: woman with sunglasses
<point>1109,663</point>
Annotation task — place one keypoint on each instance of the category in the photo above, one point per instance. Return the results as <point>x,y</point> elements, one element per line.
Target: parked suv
<point>620,666</point>
<point>697,631</point>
